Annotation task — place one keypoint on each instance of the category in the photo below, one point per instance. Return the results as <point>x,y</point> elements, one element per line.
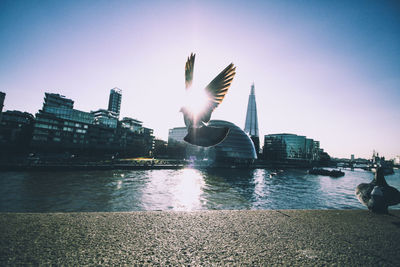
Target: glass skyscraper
<point>251,125</point>
<point>114,103</point>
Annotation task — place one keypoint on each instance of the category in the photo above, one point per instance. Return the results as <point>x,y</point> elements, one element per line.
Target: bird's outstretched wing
<point>218,87</point>
<point>217,90</point>
<point>189,66</point>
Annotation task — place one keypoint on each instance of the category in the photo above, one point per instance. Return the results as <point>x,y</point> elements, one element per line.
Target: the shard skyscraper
<point>251,125</point>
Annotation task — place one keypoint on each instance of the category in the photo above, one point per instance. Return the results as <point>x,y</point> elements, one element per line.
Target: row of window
<point>46,126</point>
<point>41,119</point>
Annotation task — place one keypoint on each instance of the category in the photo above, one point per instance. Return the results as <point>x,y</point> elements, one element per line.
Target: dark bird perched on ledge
<point>200,103</point>
<point>378,195</point>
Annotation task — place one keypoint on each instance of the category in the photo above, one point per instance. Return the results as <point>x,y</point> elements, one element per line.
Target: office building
<point>251,124</point>
<point>69,114</point>
<point>133,125</point>
<point>15,132</point>
<point>62,107</point>
<point>58,101</point>
<point>178,148</point>
<point>59,126</point>
<point>114,103</point>
<point>177,134</point>
<point>2,97</point>
<point>236,149</point>
<point>105,117</point>
<point>61,129</point>
<point>287,146</point>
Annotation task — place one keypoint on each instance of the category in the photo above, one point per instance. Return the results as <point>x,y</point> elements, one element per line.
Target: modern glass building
<point>236,149</point>
<point>132,124</point>
<point>70,114</point>
<point>114,102</point>
<point>105,117</point>
<point>177,134</point>
<point>251,124</point>
<point>59,125</point>
<point>58,101</point>
<point>290,146</point>
<point>61,129</point>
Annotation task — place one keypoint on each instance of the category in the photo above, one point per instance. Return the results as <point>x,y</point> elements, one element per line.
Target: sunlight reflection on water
<point>185,189</point>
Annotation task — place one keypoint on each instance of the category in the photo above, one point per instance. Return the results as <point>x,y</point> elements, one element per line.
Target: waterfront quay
<point>100,165</point>
<point>207,238</point>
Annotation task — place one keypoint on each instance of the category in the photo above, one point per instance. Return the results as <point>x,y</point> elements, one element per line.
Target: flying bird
<point>378,195</point>
<point>200,103</point>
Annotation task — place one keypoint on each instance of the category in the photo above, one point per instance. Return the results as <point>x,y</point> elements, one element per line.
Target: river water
<point>185,189</point>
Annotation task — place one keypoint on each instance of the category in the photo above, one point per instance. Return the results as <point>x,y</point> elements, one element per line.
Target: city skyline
<point>329,71</point>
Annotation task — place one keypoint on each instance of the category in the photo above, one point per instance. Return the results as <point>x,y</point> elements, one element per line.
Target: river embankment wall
<point>207,238</point>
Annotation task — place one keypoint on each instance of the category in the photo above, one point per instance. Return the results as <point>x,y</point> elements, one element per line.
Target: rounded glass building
<point>236,149</point>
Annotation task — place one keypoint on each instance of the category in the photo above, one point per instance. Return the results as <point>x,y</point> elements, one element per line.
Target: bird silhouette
<point>200,103</point>
<point>378,195</point>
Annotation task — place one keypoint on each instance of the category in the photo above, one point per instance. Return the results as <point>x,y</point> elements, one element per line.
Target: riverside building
<point>15,132</point>
<point>105,117</point>
<point>2,97</point>
<point>59,128</point>
<point>251,124</point>
<point>176,134</point>
<point>236,149</point>
<point>287,146</point>
<point>114,102</point>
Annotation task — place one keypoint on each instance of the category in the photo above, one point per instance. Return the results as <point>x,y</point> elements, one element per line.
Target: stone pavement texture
<point>206,238</point>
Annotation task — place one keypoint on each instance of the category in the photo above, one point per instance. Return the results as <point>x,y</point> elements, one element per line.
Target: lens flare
<point>196,101</point>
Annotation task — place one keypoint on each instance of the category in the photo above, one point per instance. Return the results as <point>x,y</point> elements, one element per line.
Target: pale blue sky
<point>329,70</point>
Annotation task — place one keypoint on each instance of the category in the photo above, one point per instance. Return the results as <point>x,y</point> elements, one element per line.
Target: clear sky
<point>329,70</point>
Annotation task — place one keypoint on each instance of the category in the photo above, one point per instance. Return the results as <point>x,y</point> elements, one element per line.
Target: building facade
<point>15,132</point>
<point>105,117</point>
<point>177,134</point>
<point>61,129</point>
<point>114,102</point>
<point>133,125</point>
<point>287,146</point>
<point>236,149</point>
<point>2,97</point>
<point>251,124</point>
<point>58,101</point>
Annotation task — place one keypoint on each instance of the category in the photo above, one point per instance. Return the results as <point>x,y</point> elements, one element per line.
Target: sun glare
<point>189,190</point>
<point>196,100</point>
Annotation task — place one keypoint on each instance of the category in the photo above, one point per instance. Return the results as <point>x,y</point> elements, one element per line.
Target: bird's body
<point>200,105</point>
<point>378,195</point>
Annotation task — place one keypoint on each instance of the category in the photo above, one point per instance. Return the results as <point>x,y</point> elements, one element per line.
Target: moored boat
<point>332,173</point>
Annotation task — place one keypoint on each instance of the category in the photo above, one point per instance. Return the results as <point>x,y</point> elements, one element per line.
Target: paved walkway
<point>281,237</point>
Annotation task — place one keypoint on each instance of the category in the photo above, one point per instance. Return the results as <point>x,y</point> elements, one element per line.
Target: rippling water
<point>186,189</point>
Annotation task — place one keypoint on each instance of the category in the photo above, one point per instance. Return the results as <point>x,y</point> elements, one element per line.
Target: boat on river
<point>331,173</point>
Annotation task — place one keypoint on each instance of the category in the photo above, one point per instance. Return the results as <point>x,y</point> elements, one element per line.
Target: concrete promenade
<point>208,238</point>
